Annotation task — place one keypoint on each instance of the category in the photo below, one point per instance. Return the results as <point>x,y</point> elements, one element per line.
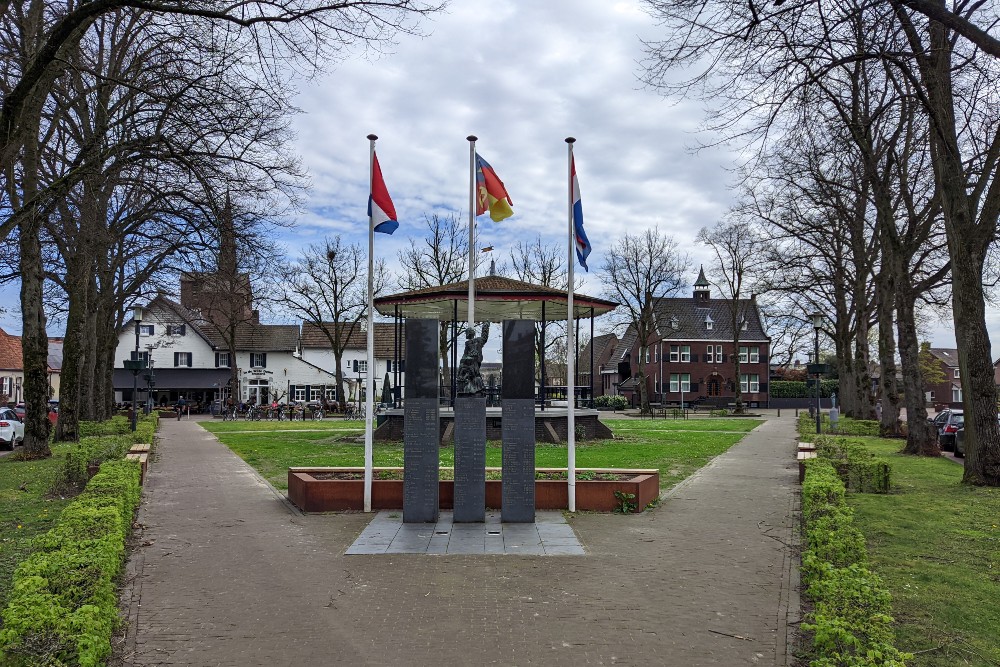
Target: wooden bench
<point>139,449</point>
<point>143,459</point>
<point>807,447</point>
<point>802,457</point>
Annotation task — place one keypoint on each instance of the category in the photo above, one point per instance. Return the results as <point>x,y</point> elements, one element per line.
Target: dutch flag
<point>381,212</point>
<point>582,243</point>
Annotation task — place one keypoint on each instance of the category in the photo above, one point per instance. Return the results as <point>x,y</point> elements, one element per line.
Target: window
<point>685,353</point>
<point>222,360</point>
<point>182,359</point>
<point>300,393</point>
<point>956,394</point>
<point>258,360</point>
<point>743,355</point>
<point>957,375</point>
<point>6,386</point>
<point>674,324</point>
<point>708,322</point>
<point>176,329</point>
<point>675,353</point>
<point>316,394</point>
<point>754,355</point>
<point>360,365</point>
<point>708,353</point>
<point>331,393</point>
<point>647,355</point>
<point>718,354</point>
<point>749,354</point>
<point>145,329</point>
<point>680,382</point>
<point>656,352</point>
<point>141,356</point>
<point>388,365</point>
<point>750,383</point>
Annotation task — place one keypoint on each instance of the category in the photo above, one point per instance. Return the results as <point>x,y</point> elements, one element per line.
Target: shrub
<point>850,619</point>
<point>799,389</point>
<point>857,466</point>
<point>99,442</point>
<point>63,608</point>
<point>614,402</point>
<point>845,426</point>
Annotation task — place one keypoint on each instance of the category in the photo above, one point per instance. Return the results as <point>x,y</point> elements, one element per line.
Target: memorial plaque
<point>518,427</point>
<point>421,423</point>
<point>470,459</point>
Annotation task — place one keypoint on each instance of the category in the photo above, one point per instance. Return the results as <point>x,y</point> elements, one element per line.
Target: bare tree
<point>328,288</point>
<point>639,270</point>
<point>736,243</point>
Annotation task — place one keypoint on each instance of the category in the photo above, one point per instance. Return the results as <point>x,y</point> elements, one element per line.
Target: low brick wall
<point>331,495</point>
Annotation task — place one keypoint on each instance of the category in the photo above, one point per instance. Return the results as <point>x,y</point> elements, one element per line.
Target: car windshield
<point>958,420</point>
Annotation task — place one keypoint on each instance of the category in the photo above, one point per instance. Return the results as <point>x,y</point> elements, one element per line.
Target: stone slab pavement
<point>228,573</point>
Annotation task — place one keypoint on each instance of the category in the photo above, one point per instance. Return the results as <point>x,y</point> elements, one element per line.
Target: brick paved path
<point>229,575</point>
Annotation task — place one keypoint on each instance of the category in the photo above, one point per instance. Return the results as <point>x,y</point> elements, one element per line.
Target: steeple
<point>701,285</point>
<point>227,241</point>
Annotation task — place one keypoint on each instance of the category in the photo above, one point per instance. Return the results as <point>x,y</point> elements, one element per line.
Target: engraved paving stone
<point>518,428</point>
<point>421,423</point>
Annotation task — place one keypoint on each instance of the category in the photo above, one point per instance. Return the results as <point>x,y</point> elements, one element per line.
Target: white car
<point>11,429</point>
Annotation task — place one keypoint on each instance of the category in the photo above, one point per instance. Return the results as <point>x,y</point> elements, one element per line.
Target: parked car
<point>948,422</point>
<point>19,410</point>
<point>11,429</point>
<point>960,441</point>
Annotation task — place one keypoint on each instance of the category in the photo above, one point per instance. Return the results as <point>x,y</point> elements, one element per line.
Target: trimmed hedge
<point>63,608</point>
<point>850,620</point>
<point>799,389</point>
<point>99,442</point>
<point>857,466</point>
<point>615,402</point>
<point>120,425</point>
<point>845,426</point>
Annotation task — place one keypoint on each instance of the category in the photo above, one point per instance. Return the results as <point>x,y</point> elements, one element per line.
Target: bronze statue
<point>469,378</point>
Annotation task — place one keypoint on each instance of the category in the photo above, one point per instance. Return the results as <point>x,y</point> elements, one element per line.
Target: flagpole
<point>369,408</point>
<point>472,231</point>
<point>570,357</point>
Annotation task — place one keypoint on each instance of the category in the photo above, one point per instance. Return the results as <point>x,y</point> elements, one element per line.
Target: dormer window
<point>709,323</point>
<point>674,324</point>
<point>743,323</point>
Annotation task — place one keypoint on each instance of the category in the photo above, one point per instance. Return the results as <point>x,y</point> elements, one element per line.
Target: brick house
<point>691,353</point>
<point>603,347</point>
<point>948,392</point>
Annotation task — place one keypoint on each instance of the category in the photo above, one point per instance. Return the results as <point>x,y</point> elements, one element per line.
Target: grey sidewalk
<point>229,575</point>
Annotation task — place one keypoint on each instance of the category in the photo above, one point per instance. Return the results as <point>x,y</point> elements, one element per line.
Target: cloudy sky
<point>522,76</point>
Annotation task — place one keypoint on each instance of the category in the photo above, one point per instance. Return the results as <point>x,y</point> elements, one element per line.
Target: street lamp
<point>150,382</point>
<point>137,318</point>
<point>817,322</point>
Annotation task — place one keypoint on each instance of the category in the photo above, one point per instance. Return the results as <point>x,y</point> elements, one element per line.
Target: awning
<point>176,378</point>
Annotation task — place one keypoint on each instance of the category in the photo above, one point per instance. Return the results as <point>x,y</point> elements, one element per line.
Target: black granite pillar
<point>470,459</point>
<point>518,426</point>
<point>421,422</point>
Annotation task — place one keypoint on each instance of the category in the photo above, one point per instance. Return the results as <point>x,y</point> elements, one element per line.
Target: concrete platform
<point>550,535</point>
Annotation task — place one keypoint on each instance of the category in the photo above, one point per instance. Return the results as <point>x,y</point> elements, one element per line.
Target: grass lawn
<point>936,543</point>
<point>27,513</point>
<point>676,449</point>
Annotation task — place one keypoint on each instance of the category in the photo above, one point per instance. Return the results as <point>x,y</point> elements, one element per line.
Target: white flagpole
<point>369,408</point>
<point>570,356</point>
<point>472,231</point>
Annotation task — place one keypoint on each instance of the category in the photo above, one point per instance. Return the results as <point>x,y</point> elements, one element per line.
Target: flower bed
<point>336,489</point>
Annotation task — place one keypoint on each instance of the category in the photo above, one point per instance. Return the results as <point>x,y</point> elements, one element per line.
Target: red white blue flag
<point>381,212</point>
<point>582,243</point>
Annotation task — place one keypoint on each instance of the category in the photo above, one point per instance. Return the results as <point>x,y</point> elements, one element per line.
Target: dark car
<point>960,441</point>
<point>19,410</point>
<point>948,422</point>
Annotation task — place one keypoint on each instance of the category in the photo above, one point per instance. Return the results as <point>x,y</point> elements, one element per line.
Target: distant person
<point>834,418</point>
<point>181,405</point>
<point>878,411</point>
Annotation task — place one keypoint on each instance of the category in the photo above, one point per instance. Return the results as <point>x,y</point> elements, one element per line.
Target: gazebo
<point>497,299</point>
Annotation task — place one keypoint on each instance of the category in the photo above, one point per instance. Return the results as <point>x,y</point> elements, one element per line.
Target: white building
<point>317,350</point>
<point>188,358</point>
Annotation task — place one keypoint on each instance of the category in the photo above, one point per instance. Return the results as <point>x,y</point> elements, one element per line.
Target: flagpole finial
<point>472,137</point>
<point>570,140</point>
<point>372,137</point>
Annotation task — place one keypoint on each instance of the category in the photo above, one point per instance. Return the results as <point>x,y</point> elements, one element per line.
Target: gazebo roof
<point>497,299</point>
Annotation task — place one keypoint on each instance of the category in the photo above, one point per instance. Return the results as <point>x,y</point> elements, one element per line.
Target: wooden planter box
<point>330,495</point>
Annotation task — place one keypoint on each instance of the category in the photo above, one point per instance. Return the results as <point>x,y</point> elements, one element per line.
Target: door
<point>714,386</point>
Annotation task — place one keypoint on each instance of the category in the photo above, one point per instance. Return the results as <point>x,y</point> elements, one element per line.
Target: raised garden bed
<point>337,489</point>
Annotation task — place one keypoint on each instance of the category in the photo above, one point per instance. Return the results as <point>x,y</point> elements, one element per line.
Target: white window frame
<point>956,394</point>
<point>647,354</point>
<point>685,354</point>
<point>315,394</point>
<point>675,382</point>
<point>256,359</point>
<point>362,365</point>
<point>957,375</point>
<point>224,360</point>
<point>146,330</point>
<point>300,394</point>
<point>709,352</point>
<point>755,355</point>
<point>656,353</point>
<point>181,358</point>
<point>675,353</point>
<point>743,355</point>
<point>718,354</point>
<point>331,393</point>
<point>750,383</point>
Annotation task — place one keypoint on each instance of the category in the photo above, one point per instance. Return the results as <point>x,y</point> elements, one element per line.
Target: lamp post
<point>817,322</point>
<point>137,317</point>
<point>150,383</point>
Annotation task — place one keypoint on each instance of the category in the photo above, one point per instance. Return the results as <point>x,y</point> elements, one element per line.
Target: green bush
<point>845,426</point>
<point>63,608</point>
<point>799,389</point>
<point>857,466</point>
<point>614,402</point>
<point>850,621</point>
<point>99,442</point>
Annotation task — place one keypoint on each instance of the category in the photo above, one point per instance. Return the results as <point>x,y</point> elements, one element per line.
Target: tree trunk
<point>73,381</point>
<point>921,436</point>
<point>885,303</point>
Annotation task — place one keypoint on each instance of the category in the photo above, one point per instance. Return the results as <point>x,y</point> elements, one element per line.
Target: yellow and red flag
<point>491,193</point>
